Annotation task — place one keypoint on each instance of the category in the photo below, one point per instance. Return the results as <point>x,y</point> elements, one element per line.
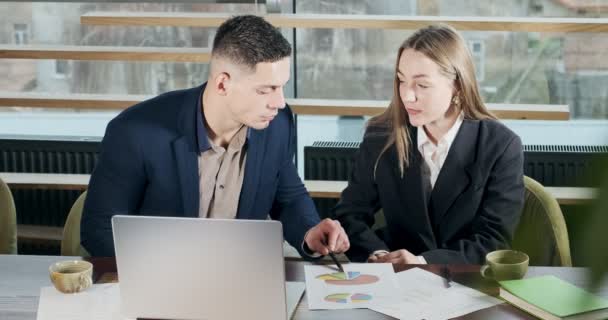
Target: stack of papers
<point>102,302</point>
<point>99,302</point>
<point>411,294</point>
<point>424,296</point>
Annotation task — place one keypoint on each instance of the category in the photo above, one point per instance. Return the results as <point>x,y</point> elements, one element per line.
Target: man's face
<point>255,98</point>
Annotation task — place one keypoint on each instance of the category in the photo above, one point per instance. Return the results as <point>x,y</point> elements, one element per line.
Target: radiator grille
<point>46,207</point>
<point>328,160</point>
<point>565,149</point>
<point>551,165</point>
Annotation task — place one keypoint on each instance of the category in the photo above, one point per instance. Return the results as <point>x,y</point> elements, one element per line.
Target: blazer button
<point>222,186</point>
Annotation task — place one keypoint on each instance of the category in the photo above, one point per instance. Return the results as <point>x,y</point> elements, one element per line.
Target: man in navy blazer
<point>223,149</point>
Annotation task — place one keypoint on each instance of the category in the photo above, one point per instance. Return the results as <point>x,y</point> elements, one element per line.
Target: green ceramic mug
<point>505,265</point>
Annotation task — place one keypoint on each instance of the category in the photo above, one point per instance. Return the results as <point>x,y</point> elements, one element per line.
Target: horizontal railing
<point>299,106</point>
<point>347,21</point>
<point>316,188</point>
<point>563,195</point>
<point>61,52</point>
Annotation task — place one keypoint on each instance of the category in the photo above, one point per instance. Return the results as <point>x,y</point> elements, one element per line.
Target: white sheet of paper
<point>424,296</point>
<point>374,285</point>
<point>99,302</point>
<point>293,295</point>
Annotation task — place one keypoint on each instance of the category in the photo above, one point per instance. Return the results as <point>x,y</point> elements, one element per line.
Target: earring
<point>456,101</point>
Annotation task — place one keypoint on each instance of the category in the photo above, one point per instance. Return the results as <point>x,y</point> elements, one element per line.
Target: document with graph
<point>361,286</point>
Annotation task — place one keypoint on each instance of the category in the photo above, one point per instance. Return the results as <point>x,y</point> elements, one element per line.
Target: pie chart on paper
<point>354,278</point>
<point>346,297</point>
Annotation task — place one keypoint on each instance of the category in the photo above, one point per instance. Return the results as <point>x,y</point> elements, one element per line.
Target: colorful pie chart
<point>354,278</point>
<point>345,297</point>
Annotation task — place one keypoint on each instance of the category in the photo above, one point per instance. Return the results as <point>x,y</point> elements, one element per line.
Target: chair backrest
<point>70,244</point>
<point>542,232</point>
<point>8,221</point>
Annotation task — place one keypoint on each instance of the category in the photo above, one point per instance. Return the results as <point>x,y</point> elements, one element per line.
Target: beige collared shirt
<point>221,171</point>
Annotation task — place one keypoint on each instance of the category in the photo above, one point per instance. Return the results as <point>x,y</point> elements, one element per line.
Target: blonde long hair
<point>444,46</point>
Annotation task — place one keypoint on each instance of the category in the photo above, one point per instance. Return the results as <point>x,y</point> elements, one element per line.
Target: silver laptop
<point>188,268</point>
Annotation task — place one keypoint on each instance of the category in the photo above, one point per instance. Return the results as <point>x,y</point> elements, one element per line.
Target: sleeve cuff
<point>306,249</point>
<point>421,259</point>
<point>377,253</point>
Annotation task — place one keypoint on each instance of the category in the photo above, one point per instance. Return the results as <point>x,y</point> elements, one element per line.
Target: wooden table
<point>22,277</point>
<point>465,274</point>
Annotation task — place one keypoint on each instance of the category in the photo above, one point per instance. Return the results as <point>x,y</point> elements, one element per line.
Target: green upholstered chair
<point>542,232</point>
<point>8,221</point>
<point>70,243</point>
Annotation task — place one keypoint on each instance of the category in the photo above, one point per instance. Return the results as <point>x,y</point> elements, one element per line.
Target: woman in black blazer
<point>447,175</point>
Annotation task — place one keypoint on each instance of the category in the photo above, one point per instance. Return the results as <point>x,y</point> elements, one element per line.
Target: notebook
<point>549,297</point>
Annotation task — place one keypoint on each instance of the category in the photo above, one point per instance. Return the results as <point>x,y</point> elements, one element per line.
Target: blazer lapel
<point>412,189</point>
<point>187,168</point>
<point>455,175</point>
<point>255,151</point>
<point>185,151</point>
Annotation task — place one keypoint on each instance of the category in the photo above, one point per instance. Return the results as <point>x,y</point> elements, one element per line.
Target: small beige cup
<point>505,265</point>
<point>71,276</point>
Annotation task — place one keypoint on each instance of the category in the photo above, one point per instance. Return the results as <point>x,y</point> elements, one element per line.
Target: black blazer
<point>472,210</point>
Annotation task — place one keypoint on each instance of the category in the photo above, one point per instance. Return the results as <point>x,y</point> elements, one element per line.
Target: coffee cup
<point>505,265</point>
<point>71,276</point>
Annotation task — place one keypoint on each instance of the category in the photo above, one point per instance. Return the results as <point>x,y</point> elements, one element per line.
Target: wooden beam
<point>347,21</point>
<point>374,107</point>
<point>316,188</point>
<point>56,52</point>
<point>563,195</point>
<point>572,195</point>
<point>530,111</point>
<point>50,181</point>
<point>299,106</point>
<point>325,189</point>
<point>36,233</point>
<point>76,101</point>
<point>337,107</point>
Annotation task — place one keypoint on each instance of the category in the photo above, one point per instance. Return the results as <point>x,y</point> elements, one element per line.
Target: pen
<point>333,257</point>
<point>335,260</point>
<point>447,276</point>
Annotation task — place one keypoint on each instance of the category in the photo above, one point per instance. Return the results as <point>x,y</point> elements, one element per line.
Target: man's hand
<point>396,257</point>
<point>327,236</point>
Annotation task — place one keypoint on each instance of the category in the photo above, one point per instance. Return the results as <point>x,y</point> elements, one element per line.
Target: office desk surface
<point>24,275</point>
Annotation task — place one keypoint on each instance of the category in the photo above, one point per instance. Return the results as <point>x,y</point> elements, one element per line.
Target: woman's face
<point>425,92</point>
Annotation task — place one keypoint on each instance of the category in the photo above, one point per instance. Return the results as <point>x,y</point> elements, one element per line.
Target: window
<point>61,68</point>
<point>20,31</point>
<point>478,52</point>
<point>325,38</point>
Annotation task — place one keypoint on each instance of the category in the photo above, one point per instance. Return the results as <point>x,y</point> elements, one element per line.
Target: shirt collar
<point>201,131</point>
<point>448,138</point>
<point>202,137</point>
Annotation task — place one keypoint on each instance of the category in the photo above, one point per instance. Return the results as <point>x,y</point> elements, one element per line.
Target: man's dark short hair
<point>248,40</point>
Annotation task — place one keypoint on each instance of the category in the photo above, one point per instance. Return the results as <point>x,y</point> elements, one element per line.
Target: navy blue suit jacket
<point>149,166</point>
